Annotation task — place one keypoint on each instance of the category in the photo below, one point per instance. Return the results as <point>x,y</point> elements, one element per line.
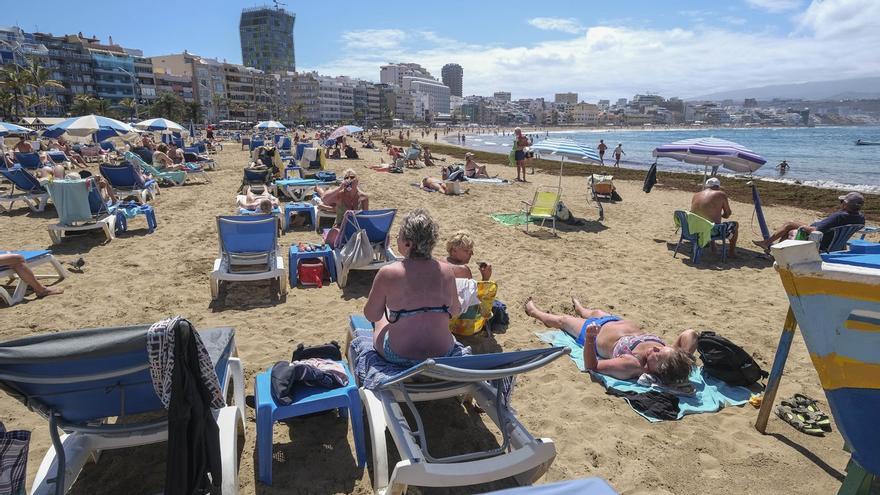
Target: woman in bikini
<point>617,347</point>
<point>411,302</point>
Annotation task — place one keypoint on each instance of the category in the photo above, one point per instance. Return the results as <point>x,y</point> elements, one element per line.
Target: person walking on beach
<point>602,147</point>
<point>617,152</point>
<point>435,136</point>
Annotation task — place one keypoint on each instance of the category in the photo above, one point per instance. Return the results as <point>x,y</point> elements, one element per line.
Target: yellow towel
<point>699,226</point>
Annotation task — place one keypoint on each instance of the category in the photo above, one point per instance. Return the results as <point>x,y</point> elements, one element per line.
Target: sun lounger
<point>80,379</point>
<point>191,155</point>
<point>32,259</point>
<point>489,379</point>
<point>583,486</point>
<point>30,161</point>
<point>80,207</point>
<point>295,189</point>
<point>248,252</point>
<point>543,206</point>
<point>33,193</point>
<point>377,224</point>
<point>126,181</point>
<point>171,177</point>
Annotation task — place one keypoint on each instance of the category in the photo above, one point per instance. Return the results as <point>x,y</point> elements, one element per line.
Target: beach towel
<point>371,369</point>
<point>711,394</point>
<point>699,226</point>
<point>509,218</point>
<point>493,180</point>
<point>71,198</point>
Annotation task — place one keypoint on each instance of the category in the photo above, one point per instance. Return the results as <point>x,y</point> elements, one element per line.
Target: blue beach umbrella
<point>6,129</point>
<point>164,126</point>
<point>269,124</point>
<point>89,126</point>
<point>566,148</point>
<point>345,131</point>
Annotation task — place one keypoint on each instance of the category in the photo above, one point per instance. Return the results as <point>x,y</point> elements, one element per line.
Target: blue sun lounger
<point>32,192</point>
<point>80,379</point>
<point>248,252</point>
<point>489,379</point>
<point>32,259</point>
<point>125,180</point>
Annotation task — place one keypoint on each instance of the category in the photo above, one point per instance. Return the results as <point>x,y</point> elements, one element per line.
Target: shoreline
<point>773,192</point>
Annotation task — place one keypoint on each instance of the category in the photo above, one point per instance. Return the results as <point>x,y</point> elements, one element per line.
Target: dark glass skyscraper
<point>452,76</point>
<point>267,39</point>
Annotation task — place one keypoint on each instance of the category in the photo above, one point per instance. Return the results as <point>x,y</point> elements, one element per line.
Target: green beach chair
<point>171,177</point>
<point>543,206</point>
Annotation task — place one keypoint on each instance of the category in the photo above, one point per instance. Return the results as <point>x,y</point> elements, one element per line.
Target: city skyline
<point>609,53</point>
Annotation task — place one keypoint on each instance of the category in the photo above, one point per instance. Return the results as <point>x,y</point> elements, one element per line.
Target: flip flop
<point>810,406</point>
<point>798,421</point>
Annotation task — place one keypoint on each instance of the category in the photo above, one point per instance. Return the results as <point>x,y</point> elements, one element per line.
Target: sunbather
<point>617,347</point>
<point>427,157</point>
<point>421,289</point>
<point>162,161</point>
<point>460,249</point>
<point>849,213</point>
<point>48,168</point>
<point>17,264</point>
<point>474,171</point>
<point>251,201</point>
<point>433,184</point>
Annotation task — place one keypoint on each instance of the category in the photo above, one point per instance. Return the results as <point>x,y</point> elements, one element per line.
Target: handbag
<point>357,251</point>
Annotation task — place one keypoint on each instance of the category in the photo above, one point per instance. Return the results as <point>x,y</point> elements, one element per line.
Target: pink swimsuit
<point>627,343</point>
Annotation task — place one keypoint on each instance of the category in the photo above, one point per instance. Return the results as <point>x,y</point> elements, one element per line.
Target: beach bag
<point>562,212</point>
<point>727,361</point>
<point>323,351</point>
<point>500,318</point>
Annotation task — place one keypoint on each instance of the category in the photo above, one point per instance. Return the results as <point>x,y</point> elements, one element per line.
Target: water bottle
<point>801,234</point>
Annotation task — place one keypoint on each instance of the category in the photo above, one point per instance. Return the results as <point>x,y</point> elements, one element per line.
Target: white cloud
<point>775,6</point>
<point>373,38</point>
<point>613,62</point>
<point>566,25</point>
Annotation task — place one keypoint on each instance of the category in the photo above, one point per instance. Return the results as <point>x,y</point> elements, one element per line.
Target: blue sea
<point>824,157</point>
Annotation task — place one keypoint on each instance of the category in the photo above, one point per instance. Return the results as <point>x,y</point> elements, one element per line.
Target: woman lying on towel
<point>264,201</point>
<point>411,302</point>
<point>617,347</point>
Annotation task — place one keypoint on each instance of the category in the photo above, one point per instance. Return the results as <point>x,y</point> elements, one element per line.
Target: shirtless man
<point>23,146</point>
<point>432,184</point>
<point>711,203</point>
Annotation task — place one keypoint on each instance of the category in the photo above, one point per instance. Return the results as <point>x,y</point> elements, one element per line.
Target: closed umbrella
<point>344,131</point>
<point>96,127</point>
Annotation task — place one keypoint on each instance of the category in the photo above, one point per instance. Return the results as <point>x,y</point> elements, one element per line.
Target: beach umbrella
<point>344,131</point>
<point>712,152</point>
<point>96,127</point>
<point>164,126</point>
<point>269,124</point>
<point>566,148</point>
<point>6,129</point>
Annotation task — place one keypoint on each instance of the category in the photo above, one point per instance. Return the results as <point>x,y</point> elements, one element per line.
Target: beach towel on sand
<point>711,394</point>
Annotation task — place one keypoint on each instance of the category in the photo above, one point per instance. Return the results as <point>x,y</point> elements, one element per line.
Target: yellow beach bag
<point>477,316</point>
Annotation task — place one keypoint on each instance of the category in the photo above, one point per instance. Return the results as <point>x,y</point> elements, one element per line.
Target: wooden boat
<point>835,300</point>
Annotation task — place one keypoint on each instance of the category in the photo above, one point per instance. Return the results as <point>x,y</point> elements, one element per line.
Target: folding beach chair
<point>245,143</point>
<point>543,206</point>
<point>32,192</point>
<point>171,177</point>
<point>80,207</point>
<point>80,380</point>
<point>256,143</point>
<point>145,154</point>
<point>57,156</point>
<point>489,378</point>
<point>32,259</point>
<point>126,181</point>
<point>840,235</point>
<point>248,252</point>
<point>191,155</point>
<point>30,161</point>
<point>377,225</point>
<point>724,231</point>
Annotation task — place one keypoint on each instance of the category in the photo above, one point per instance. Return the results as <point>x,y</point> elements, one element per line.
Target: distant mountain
<point>865,87</point>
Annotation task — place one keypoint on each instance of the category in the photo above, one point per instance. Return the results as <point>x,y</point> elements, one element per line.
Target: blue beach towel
<point>711,394</point>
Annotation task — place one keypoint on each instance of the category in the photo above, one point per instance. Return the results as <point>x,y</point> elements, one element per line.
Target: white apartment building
<point>436,94</point>
<point>394,73</point>
<point>335,98</point>
<point>584,114</point>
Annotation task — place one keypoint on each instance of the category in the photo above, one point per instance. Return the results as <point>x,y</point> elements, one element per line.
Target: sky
<point>599,49</point>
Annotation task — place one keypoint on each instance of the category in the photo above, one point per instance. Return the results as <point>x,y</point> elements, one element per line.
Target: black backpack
<point>323,351</point>
<point>727,361</point>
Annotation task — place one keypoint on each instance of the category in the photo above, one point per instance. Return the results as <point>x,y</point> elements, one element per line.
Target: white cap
<point>713,182</point>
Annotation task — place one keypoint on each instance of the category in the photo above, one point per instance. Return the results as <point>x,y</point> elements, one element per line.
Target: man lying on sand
<point>432,184</point>
<point>848,214</point>
<point>617,347</point>
<point>712,204</point>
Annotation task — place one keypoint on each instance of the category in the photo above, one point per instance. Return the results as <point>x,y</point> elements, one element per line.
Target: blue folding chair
<point>307,400</point>
<point>28,160</point>
<point>255,177</point>
<point>840,235</point>
<point>32,192</point>
<point>377,224</point>
<point>80,379</point>
<point>107,146</point>
<point>248,252</point>
<point>300,147</point>
<point>145,154</point>
<point>724,231</point>
<point>125,180</point>
<point>57,156</point>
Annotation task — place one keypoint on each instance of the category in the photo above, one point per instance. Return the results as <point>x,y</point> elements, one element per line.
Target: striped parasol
<point>566,148</point>
<point>345,131</point>
<point>89,126</point>
<point>269,124</point>
<point>164,126</point>
<point>711,151</point>
<point>7,128</point>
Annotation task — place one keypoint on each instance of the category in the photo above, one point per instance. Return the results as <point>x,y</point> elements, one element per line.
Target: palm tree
<point>83,105</point>
<point>39,77</point>
<point>32,102</point>
<point>6,103</point>
<point>194,111</point>
<point>169,106</point>
<point>131,105</point>
<point>14,80</point>
<point>102,106</point>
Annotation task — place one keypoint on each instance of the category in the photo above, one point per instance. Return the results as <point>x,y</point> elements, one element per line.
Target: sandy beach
<point>623,264</point>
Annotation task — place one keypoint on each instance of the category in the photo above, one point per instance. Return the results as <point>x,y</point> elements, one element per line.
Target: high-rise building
<point>267,39</point>
<point>394,73</point>
<point>452,75</point>
<point>566,98</point>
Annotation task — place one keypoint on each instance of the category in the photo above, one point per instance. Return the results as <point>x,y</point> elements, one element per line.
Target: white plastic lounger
<point>99,218</point>
<point>489,379</point>
<point>32,192</point>
<point>32,259</point>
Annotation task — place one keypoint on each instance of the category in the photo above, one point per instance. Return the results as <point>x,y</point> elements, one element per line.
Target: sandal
<point>810,406</point>
<point>798,421</point>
